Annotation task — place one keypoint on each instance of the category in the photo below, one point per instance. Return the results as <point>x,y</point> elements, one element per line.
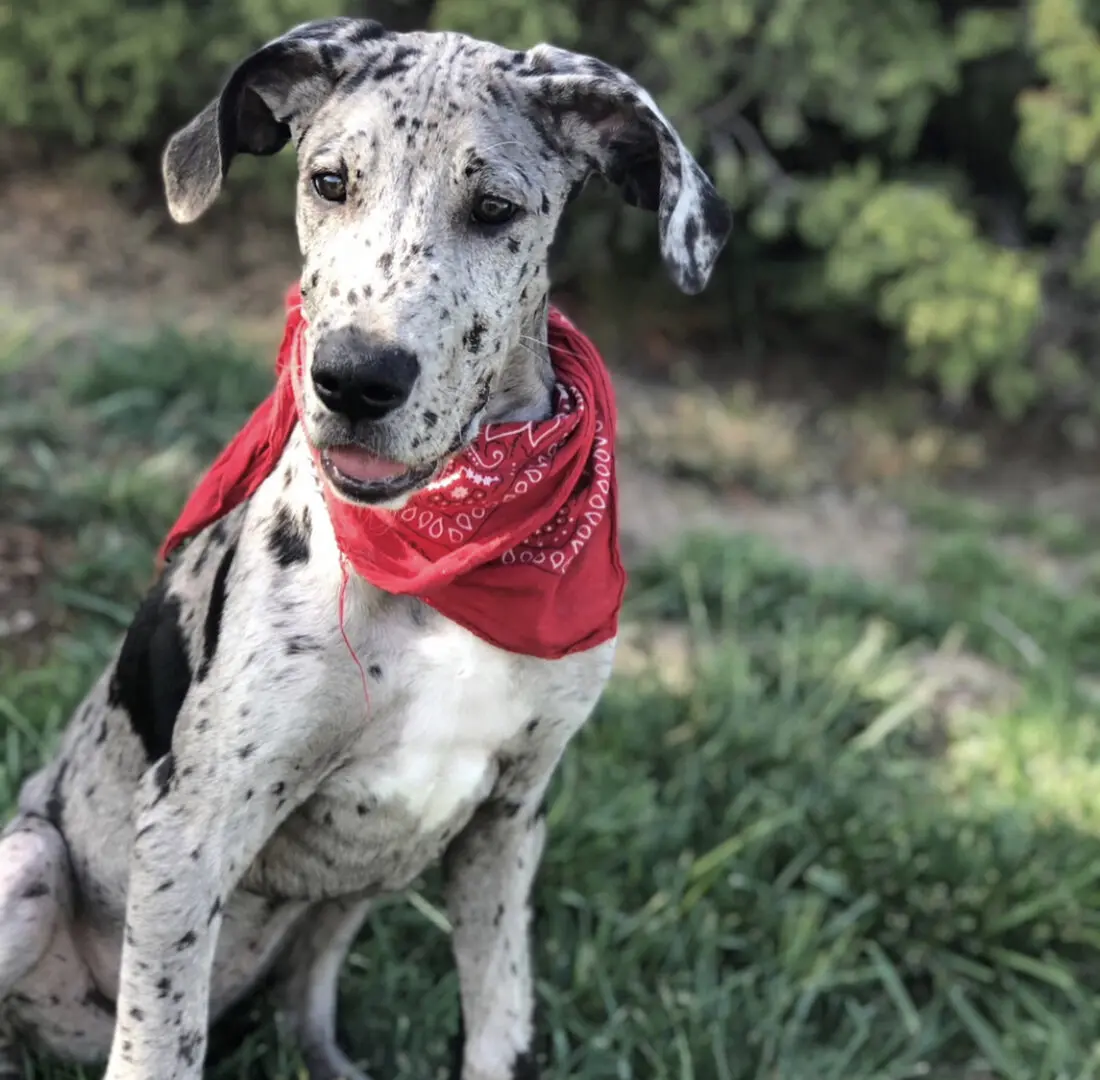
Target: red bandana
<point>517,540</point>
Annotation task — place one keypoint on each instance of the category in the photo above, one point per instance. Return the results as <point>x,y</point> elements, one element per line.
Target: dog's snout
<point>362,378</point>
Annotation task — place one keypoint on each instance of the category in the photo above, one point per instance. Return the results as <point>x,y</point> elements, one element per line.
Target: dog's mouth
<point>362,477</point>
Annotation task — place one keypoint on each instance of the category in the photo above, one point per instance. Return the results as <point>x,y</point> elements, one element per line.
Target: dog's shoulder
<point>175,634</point>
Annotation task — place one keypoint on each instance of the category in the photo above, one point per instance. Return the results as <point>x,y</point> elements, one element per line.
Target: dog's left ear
<point>269,98</point>
<point>611,126</point>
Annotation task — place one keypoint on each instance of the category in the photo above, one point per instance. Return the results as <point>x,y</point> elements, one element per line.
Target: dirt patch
<point>73,258</point>
<point>866,536</point>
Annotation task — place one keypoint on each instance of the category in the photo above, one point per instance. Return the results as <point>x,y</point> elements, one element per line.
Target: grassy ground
<point>799,841</point>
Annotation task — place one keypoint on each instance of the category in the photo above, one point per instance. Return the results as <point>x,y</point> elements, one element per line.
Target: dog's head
<point>433,169</point>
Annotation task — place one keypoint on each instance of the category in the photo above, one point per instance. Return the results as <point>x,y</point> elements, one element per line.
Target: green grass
<point>795,868</point>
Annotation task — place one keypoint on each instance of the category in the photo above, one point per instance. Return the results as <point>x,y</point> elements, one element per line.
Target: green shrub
<point>929,165</point>
<point>103,72</point>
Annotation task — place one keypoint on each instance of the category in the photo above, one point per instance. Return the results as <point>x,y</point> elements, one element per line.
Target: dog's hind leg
<point>309,974</point>
<point>34,883</point>
<point>34,892</point>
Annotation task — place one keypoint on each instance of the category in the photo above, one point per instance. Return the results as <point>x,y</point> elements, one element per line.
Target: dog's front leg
<point>201,816</point>
<point>490,869</point>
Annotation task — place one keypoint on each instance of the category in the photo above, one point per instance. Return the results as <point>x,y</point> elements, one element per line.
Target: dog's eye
<point>493,210</point>
<point>330,186</point>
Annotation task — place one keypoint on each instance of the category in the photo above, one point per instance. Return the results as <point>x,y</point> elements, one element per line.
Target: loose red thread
<point>343,628</point>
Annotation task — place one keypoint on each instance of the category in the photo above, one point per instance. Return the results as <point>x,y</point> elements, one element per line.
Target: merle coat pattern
<point>226,802</point>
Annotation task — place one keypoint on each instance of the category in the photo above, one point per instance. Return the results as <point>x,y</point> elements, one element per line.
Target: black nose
<point>360,377</point>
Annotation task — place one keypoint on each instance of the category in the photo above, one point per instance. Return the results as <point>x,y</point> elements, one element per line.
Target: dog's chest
<point>441,711</point>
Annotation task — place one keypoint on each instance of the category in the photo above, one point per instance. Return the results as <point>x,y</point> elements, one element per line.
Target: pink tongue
<point>359,465</point>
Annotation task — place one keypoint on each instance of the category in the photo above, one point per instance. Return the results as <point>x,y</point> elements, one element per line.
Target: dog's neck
<point>523,391</point>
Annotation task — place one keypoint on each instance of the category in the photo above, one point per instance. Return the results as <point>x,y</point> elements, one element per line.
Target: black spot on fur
<point>186,942</point>
<point>691,233</point>
<point>545,203</point>
<point>472,339</point>
<point>540,124</point>
<point>299,646</point>
<point>98,1000</point>
<point>375,671</point>
<point>189,1046</point>
<point>163,775</point>
<point>385,263</point>
<point>362,809</point>
<point>246,751</point>
<point>331,55</point>
<point>212,625</point>
<point>215,911</point>
<point>352,297</point>
<point>400,62</point>
<point>164,886</point>
<point>368,30</point>
<point>400,121</point>
<point>287,540</point>
<point>153,673</point>
<point>693,276</point>
<point>717,219</point>
<point>513,245</point>
<point>137,1014</point>
<point>33,892</point>
<point>55,804</point>
<point>430,418</point>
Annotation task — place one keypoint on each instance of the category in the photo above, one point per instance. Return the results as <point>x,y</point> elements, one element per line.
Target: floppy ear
<point>614,128</point>
<point>268,99</point>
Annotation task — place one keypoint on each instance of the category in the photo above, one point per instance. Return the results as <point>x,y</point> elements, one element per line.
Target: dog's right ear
<point>267,100</point>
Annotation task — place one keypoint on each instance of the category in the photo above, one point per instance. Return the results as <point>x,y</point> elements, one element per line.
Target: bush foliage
<point>929,165</point>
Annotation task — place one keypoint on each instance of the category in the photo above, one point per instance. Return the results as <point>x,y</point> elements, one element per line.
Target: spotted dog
<point>225,803</point>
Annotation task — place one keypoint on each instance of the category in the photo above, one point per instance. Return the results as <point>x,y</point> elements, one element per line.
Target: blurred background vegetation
<point>923,171</point>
